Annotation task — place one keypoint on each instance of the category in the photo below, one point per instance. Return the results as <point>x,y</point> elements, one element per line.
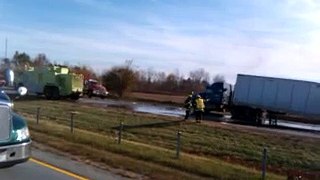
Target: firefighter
<point>188,105</point>
<point>199,108</point>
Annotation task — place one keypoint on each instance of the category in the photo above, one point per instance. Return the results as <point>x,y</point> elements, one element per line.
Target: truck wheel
<point>89,94</point>
<point>47,93</point>
<point>55,93</point>
<point>75,97</point>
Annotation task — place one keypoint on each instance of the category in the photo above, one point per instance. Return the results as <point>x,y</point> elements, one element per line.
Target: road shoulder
<point>78,165</point>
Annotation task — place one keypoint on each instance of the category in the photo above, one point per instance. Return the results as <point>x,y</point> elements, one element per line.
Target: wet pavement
<point>151,108</point>
<point>175,111</point>
<point>297,125</point>
<point>161,110</point>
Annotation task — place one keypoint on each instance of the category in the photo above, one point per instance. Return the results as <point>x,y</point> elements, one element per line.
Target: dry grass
<point>151,161</point>
<point>221,143</point>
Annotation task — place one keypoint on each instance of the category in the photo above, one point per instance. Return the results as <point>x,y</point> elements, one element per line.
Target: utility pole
<point>6,47</point>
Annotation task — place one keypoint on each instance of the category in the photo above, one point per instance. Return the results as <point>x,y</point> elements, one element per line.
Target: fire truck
<point>53,81</point>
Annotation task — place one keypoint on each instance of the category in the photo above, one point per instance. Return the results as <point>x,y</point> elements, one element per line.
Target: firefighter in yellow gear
<point>199,108</point>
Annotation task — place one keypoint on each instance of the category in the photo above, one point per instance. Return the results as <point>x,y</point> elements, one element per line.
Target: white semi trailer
<point>254,95</point>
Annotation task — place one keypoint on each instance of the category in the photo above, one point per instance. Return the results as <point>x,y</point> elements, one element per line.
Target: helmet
<point>198,96</point>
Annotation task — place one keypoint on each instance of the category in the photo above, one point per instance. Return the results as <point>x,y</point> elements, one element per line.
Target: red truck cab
<point>93,88</point>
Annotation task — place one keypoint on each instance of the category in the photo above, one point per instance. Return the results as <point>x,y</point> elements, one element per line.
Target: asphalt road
<point>33,170</point>
<point>49,166</point>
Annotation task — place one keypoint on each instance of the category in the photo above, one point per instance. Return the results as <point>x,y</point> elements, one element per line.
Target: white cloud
<point>168,51</point>
<point>305,10</point>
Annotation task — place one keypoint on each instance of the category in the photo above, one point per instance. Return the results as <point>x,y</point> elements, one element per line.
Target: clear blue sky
<point>262,37</point>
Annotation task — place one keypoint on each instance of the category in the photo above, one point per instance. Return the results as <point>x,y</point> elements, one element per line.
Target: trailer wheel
<point>259,118</point>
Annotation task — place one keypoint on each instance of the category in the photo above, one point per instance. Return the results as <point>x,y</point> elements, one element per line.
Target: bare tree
<point>41,60</point>
<point>198,78</point>
<point>171,83</point>
<point>20,60</point>
<point>120,79</point>
<point>150,75</point>
<point>161,77</point>
<point>199,75</point>
<point>87,72</point>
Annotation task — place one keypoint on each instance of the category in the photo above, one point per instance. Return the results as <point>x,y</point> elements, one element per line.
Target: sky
<point>278,38</point>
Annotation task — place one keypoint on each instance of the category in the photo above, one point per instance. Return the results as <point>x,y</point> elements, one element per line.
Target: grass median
<point>215,152</point>
<point>152,161</point>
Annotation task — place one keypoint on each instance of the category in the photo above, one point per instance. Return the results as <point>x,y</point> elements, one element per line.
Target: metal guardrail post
<point>264,163</point>
<point>178,145</point>
<point>38,114</point>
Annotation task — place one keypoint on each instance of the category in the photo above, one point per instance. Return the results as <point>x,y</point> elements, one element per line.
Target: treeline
<point>124,78</point>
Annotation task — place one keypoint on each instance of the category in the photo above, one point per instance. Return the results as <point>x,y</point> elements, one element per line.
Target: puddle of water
<point>108,102</point>
<point>160,110</point>
<point>313,127</point>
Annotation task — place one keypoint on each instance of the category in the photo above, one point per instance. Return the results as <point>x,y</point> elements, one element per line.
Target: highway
<point>50,166</point>
<point>33,169</point>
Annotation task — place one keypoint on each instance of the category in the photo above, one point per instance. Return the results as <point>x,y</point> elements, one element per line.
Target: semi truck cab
<point>217,96</point>
<point>93,88</point>
<point>15,142</point>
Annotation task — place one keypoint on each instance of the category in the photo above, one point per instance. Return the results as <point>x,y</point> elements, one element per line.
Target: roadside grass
<point>156,159</point>
<point>95,156</point>
<point>228,144</point>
